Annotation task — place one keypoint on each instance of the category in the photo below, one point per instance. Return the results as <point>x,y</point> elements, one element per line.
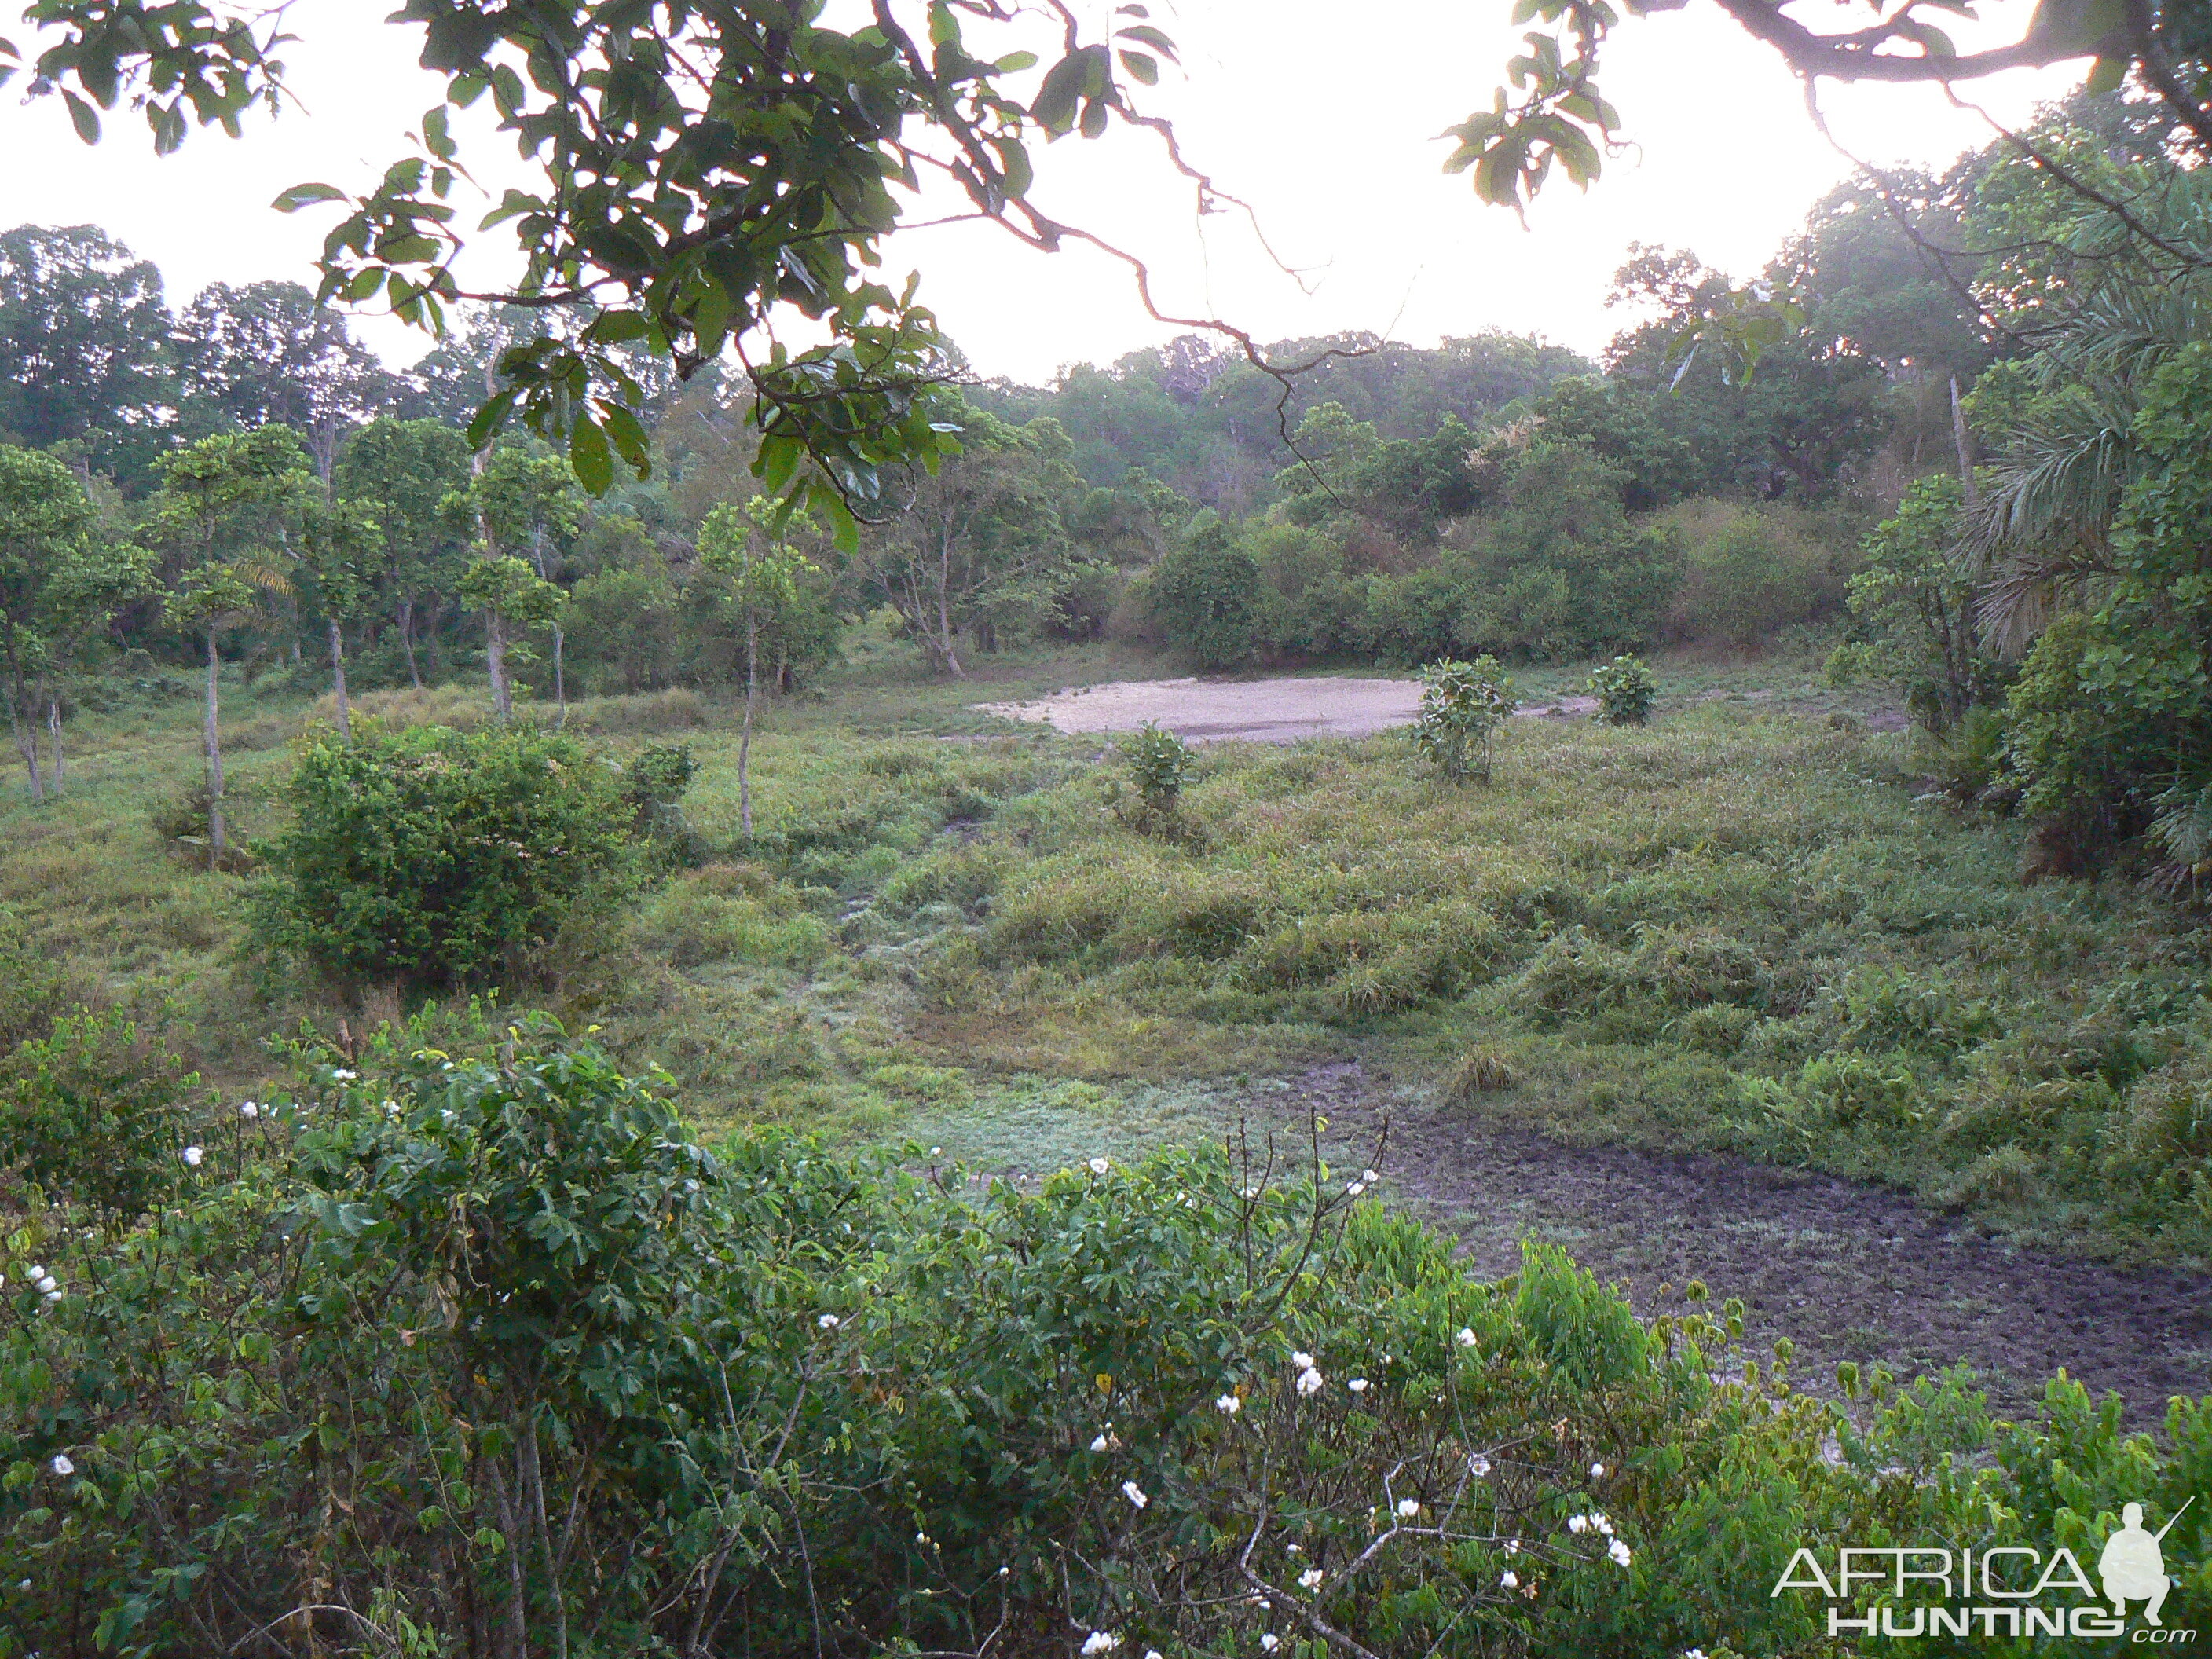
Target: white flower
<point>1301,1361</point>
<point>1355,1189</point>
<point>1100,1165</point>
<point>1597,1471</point>
<point>1099,1444</point>
<point>1134,1493</point>
<point>1579,1524</point>
<point>1513,1546</point>
<point>342,1075</point>
<point>936,1151</point>
<point>1618,1550</point>
<point>249,1111</point>
<point>1603,1524</point>
<point>62,1465</point>
<point>1310,1578</point>
<point>1154,1653</point>
<point>1310,1381</point>
<point>1509,1580</point>
<point>1229,1405</point>
<point>1408,1508</point>
<point>38,1271</point>
<point>1102,1641</point>
<point>1693,1653</point>
<point>1478,1466</point>
<point>1251,1193</point>
<point>1369,1174</point>
<point>1358,1385</point>
<point>1466,1337</point>
<point>827,1322</point>
<point>46,1283</point>
<point>194,1155</point>
<point>1269,1642</point>
<point>54,1296</point>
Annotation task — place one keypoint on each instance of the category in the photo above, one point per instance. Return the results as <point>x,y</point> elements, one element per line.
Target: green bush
<point>1462,706</point>
<point>432,858</point>
<point>584,1386</point>
<point>1204,599</point>
<point>92,1112</point>
<point>1158,762</point>
<point>1624,691</point>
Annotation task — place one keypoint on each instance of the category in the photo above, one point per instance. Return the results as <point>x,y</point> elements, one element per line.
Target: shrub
<point>431,857</point>
<point>1462,704</point>
<point>583,1386</point>
<point>91,1113</point>
<point>1204,599</point>
<point>1624,691</point>
<point>1158,762</point>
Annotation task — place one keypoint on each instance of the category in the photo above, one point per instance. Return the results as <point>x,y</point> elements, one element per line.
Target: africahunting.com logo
<point>2008,1590</point>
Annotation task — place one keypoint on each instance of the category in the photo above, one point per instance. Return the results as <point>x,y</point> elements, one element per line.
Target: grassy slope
<point>1734,930</point>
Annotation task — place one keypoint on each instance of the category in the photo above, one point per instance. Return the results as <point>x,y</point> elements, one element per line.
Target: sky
<point>1324,117</point>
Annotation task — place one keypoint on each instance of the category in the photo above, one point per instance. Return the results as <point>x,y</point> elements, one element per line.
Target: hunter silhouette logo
<point>2004,1591</point>
<point>2132,1568</point>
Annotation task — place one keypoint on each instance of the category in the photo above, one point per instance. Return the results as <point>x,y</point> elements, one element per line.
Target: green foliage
<point>583,1382</point>
<point>1204,597</point>
<point>1462,706</point>
<point>1624,691</point>
<point>92,1112</point>
<point>434,858</point>
<point>1158,761</point>
<point>1911,608</point>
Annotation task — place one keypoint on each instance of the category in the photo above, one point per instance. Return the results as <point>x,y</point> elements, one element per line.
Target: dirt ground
<point>1256,711</point>
<point>1845,1272</point>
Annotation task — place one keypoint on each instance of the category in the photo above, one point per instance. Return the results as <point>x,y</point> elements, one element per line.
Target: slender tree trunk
<point>495,660</point>
<point>746,741</point>
<point>1965,448</point>
<point>213,757</point>
<point>560,683</point>
<point>407,640</point>
<point>337,678</point>
<point>26,745</point>
<point>945,608</point>
<point>54,735</point>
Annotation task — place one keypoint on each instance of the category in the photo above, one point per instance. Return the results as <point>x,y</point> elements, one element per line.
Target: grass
<point>1736,929</point>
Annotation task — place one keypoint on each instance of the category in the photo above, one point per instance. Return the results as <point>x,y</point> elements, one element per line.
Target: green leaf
<point>589,457</point>
<point>299,195</point>
<point>83,117</point>
<point>1145,69</point>
<point>1056,99</point>
<point>2106,75</point>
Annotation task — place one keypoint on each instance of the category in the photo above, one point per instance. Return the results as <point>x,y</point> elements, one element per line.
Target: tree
<point>512,596</point>
<point>208,599</point>
<point>1205,596</point>
<point>335,538</point>
<point>523,504</point>
<point>269,353</point>
<point>758,150</point>
<point>399,474</point>
<point>84,340</point>
<point>984,546</point>
<point>766,580</point>
<point>59,579</point>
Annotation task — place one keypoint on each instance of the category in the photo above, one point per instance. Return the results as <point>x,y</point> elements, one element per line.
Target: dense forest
<point>351,1301</point>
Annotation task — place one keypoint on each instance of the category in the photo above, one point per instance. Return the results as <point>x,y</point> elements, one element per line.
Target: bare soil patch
<point>1844,1271</point>
<point>1281,710</point>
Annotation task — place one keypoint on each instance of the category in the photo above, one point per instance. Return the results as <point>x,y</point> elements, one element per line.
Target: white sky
<point>1324,116</point>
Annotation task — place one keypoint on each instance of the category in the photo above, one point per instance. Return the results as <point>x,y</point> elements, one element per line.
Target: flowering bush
<point>481,1354</point>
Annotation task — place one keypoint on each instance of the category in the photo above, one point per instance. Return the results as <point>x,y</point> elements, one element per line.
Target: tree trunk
<point>26,743</point>
<point>407,640</point>
<point>54,735</point>
<point>338,679</point>
<point>944,610</point>
<point>495,660</point>
<point>1965,449</point>
<point>214,758</point>
<point>559,684</point>
<point>746,741</point>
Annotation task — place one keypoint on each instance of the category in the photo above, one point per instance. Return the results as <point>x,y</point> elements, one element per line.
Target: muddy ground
<point>1846,1272</point>
<point>1281,710</point>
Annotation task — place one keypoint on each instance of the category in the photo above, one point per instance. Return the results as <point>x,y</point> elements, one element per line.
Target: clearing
<point>1280,710</point>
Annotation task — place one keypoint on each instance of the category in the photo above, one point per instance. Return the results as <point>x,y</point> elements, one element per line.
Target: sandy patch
<point>1255,711</point>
